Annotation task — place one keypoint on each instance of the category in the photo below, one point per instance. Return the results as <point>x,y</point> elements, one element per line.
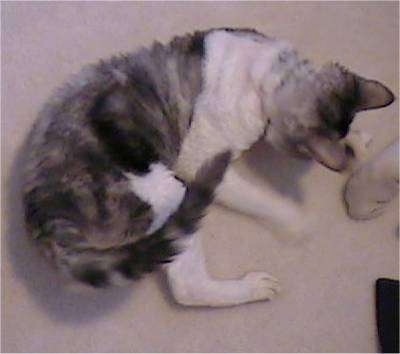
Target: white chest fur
<point>228,113</point>
<point>161,190</point>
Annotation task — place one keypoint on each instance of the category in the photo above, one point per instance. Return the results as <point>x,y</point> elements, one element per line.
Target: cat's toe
<point>262,286</point>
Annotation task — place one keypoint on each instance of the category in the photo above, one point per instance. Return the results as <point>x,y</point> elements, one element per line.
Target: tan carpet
<point>327,303</point>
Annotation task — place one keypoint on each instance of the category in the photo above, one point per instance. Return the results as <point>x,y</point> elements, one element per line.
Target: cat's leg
<point>191,284</point>
<point>237,193</point>
<point>369,189</point>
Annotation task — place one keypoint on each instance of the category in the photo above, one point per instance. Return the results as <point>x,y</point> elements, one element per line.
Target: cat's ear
<point>372,94</point>
<point>329,153</point>
<point>368,94</point>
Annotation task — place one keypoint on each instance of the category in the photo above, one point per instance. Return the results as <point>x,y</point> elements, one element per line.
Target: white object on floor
<point>370,189</point>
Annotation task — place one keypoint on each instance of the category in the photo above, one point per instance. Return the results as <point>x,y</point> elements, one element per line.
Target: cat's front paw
<point>295,228</point>
<point>359,142</point>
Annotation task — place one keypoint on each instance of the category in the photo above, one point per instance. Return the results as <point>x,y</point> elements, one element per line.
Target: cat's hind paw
<point>261,286</point>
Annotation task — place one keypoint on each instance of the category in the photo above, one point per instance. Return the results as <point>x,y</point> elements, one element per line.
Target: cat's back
<point>164,78</point>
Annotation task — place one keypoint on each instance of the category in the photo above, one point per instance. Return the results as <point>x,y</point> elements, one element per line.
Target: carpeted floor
<point>327,303</point>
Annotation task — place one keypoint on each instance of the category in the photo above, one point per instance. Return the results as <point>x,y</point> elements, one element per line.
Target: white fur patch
<point>161,190</point>
<point>238,78</point>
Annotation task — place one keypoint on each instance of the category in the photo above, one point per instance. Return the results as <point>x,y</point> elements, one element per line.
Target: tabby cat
<point>126,156</point>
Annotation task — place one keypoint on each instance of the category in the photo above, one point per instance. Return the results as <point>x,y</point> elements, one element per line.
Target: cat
<point>125,157</point>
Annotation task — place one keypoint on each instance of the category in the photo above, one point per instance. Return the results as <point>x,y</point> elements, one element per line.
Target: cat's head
<point>312,116</point>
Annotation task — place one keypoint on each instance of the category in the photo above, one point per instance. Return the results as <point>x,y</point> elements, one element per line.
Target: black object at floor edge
<point>387,314</point>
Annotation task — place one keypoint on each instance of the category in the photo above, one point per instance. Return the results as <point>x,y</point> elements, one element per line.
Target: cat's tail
<point>100,268</point>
